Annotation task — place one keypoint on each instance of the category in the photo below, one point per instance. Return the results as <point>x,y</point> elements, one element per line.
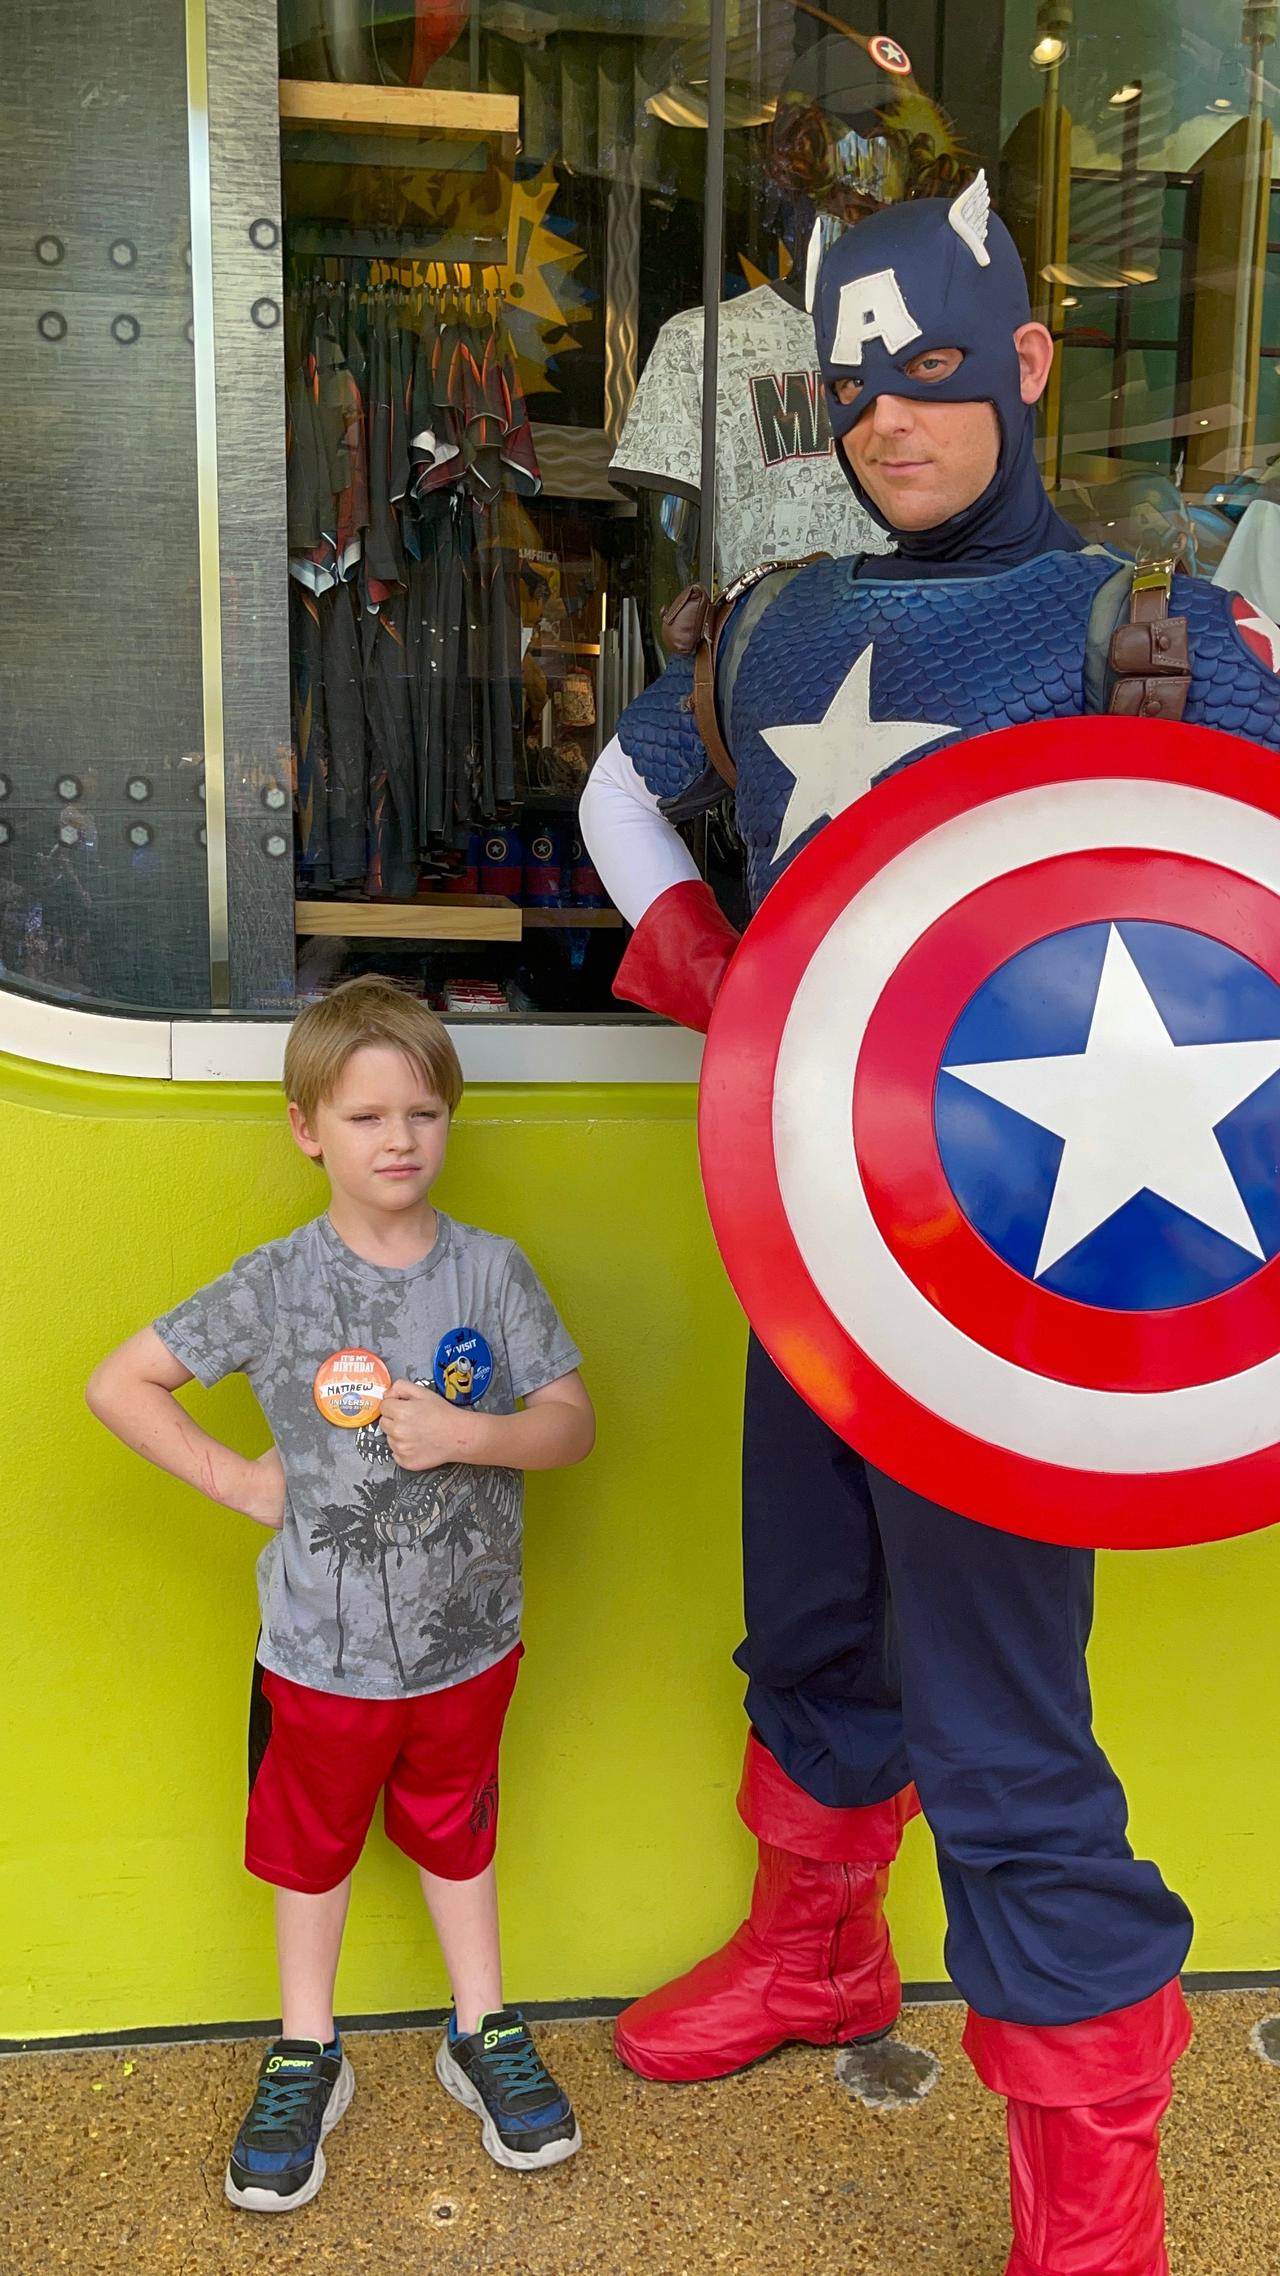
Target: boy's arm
<point>131,1391</point>
<point>556,1428</point>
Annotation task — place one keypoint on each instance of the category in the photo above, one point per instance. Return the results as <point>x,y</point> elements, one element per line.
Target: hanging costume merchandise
<point>898,1656</point>
<point>778,489</point>
<point>408,440</point>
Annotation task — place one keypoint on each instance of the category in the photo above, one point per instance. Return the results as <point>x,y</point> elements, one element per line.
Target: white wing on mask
<point>969,215</point>
<point>812,263</point>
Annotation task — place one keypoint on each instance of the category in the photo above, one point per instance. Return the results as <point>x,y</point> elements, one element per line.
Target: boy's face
<point>381,1134</point>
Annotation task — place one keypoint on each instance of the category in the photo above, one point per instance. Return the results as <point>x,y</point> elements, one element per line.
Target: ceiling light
<point>1220,103</point>
<point>1070,300</point>
<point>1204,422</point>
<point>1129,93</point>
<point>1094,275</point>
<point>1047,52</point>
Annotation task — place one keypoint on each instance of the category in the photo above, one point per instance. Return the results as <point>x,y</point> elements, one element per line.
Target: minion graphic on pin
<point>458,1378</point>
<point>463,1367</point>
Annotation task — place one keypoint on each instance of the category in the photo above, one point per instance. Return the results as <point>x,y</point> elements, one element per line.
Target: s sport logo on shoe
<point>463,1367</point>
<point>990,1125</point>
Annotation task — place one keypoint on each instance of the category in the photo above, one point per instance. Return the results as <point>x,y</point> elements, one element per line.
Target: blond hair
<point>370,1010</point>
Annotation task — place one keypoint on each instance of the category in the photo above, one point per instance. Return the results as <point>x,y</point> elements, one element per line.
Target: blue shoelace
<point>521,2072</point>
<point>280,2106</point>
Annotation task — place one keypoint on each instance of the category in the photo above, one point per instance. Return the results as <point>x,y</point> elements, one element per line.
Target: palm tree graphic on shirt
<point>398,1511</point>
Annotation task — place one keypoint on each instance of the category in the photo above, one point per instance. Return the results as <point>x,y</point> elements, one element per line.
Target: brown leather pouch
<point>1148,658</point>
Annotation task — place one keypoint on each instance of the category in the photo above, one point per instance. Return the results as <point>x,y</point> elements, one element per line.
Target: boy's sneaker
<point>303,2089</point>
<point>526,2120</point>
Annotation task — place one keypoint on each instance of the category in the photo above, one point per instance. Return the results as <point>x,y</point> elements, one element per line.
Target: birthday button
<point>349,1388</point>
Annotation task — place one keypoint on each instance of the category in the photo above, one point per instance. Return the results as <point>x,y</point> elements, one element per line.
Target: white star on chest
<point>1136,1112</point>
<point>837,757</point>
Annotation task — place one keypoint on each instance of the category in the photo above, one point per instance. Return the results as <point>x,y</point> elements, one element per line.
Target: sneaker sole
<point>269,2200</point>
<point>456,2083</point>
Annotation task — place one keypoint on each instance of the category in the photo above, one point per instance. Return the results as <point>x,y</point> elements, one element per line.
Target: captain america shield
<point>990,1130</point>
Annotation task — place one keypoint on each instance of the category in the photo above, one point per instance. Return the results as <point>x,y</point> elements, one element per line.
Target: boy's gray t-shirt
<point>382,1582</point>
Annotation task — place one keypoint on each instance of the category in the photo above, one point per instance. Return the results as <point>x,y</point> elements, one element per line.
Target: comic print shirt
<point>779,492</point>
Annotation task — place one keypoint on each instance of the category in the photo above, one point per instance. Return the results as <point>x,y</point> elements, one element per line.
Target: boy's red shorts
<point>322,1761</point>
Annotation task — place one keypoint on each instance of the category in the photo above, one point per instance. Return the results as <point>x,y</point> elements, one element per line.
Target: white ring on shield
<point>862,1283</point>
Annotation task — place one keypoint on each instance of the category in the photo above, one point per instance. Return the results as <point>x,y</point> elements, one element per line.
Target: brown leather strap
<point>704,697</point>
<point>1148,655</point>
<point>692,626</point>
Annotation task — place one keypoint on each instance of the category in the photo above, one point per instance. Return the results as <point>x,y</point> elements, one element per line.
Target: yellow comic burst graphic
<point>541,295</point>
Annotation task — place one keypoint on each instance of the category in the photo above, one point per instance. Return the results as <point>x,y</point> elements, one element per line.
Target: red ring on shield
<point>902,1172</point>
<point>892,1428</point>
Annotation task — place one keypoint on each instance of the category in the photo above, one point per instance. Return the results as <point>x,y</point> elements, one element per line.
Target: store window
<point>486,222</point>
<point>357,433</point>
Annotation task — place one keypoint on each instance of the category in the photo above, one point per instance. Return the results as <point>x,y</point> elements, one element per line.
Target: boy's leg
<point>316,1763</point>
<point>305,2081</point>
<point>308,1942</point>
<point>442,1810</point>
<point>464,1915</point>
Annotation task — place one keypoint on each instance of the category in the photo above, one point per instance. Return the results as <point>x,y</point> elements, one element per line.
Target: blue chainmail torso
<point>980,652</point>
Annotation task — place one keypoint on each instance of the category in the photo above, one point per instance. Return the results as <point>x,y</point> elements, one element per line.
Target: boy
<point>388,1347</point>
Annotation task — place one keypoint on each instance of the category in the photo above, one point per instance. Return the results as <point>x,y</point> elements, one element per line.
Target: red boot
<point>814,1960</point>
<point>1085,2104</point>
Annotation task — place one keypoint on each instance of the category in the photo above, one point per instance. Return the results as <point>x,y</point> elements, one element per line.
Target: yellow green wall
<point>129,1607</point>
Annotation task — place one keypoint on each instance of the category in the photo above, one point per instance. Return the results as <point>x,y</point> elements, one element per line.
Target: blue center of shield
<point>1108,1115</point>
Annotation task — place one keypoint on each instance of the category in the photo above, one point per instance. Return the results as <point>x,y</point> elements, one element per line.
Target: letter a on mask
<point>872,308</point>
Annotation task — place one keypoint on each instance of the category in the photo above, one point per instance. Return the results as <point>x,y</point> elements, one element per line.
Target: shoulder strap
<point>1149,665</point>
<point>692,626</point>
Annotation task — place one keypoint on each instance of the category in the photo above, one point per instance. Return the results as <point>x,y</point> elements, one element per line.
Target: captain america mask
<point>934,274</point>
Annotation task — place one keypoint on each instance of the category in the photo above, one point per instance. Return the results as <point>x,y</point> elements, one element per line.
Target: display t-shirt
<point>382,1582</point>
<point>779,491</point>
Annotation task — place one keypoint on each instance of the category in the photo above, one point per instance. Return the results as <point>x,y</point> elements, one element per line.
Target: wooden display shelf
<point>443,916</point>
<point>400,110</point>
<point>573,920</point>
<point>432,916</point>
<point>552,647</point>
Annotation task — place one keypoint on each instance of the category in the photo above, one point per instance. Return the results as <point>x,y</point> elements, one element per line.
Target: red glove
<point>678,955</point>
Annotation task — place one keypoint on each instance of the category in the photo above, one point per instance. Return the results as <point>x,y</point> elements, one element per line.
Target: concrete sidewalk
<point>114,2164</point>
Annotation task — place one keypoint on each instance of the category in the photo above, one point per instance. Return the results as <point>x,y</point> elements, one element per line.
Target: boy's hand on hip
<point>264,1495</point>
<point>423,1430</point>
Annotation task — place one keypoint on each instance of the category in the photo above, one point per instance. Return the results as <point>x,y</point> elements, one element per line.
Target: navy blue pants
<point>890,1640</point>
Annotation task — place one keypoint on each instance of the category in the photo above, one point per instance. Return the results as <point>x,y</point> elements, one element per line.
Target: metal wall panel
<point>102,872</point>
<point>244,144</point>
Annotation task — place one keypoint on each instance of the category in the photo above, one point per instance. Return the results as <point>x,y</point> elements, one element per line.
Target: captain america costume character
<point>899,1656</point>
